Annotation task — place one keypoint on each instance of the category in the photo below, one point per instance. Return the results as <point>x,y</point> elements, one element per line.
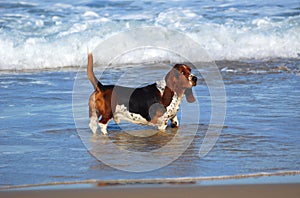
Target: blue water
<point>39,142</point>
<point>256,45</point>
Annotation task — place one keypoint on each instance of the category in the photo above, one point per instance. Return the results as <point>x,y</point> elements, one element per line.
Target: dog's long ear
<point>189,95</point>
<point>170,87</point>
<point>171,78</point>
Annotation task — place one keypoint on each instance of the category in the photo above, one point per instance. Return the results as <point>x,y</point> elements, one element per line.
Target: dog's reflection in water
<point>143,140</point>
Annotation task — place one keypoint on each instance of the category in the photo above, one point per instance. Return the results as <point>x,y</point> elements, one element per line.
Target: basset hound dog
<point>153,105</point>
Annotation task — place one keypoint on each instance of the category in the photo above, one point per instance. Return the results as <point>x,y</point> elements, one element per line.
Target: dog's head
<point>181,81</point>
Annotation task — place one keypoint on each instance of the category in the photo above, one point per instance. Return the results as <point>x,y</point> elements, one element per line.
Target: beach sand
<point>230,191</point>
<point>265,185</point>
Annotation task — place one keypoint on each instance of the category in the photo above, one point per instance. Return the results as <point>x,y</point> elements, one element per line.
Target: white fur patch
<point>93,124</point>
<point>103,128</point>
<point>160,85</point>
<point>171,112</point>
<point>173,107</point>
<point>122,113</point>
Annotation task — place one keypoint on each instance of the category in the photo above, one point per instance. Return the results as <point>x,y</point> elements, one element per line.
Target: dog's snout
<point>194,79</point>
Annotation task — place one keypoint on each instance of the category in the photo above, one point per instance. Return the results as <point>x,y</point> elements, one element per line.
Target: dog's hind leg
<point>93,124</point>
<point>93,114</point>
<point>103,124</point>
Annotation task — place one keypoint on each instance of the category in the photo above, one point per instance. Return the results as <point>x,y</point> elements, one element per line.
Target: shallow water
<point>39,142</point>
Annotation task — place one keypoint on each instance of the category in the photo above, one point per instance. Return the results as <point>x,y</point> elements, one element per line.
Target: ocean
<point>254,47</point>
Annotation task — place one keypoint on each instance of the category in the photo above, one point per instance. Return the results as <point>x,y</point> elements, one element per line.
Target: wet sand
<point>245,191</point>
<point>258,185</point>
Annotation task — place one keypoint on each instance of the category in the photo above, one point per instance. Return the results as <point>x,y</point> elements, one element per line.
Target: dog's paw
<point>93,127</point>
<point>174,125</point>
<point>174,122</point>
<point>103,128</point>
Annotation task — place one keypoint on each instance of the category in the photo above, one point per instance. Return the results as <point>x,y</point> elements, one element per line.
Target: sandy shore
<point>183,190</point>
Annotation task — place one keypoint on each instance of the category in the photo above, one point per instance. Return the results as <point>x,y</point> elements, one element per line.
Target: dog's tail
<point>90,72</point>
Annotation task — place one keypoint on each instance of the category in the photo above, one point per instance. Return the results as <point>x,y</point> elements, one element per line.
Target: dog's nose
<point>194,79</point>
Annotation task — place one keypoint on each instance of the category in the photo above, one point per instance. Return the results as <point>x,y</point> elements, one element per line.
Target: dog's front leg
<point>162,124</point>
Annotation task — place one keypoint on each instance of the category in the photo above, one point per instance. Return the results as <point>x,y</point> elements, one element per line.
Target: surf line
<point>180,180</point>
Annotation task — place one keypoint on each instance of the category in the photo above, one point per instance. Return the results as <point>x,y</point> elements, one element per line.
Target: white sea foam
<point>51,36</point>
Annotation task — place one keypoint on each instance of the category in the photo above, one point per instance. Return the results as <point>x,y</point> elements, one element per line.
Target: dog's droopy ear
<point>189,95</point>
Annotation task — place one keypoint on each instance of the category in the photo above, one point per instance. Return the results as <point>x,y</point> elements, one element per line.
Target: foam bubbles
<point>90,14</point>
<point>46,35</point>
<point>260,39</point>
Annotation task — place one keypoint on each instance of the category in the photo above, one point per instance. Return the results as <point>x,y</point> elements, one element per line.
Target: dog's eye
<point>183,73</point>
